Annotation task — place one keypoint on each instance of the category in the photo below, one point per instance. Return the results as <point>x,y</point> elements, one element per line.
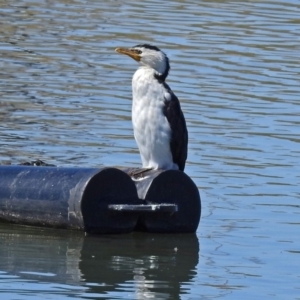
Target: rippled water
<point>65,97</point>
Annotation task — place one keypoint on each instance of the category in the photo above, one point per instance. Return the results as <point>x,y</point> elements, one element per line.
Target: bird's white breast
<point>152,131</point>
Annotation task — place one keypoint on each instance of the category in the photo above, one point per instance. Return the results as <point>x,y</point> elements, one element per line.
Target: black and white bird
<point>158,122</point>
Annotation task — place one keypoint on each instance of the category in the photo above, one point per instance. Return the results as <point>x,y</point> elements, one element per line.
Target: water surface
<point>66,99</point>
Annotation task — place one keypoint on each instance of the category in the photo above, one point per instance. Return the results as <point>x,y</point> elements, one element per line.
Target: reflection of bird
<point>158,122</point>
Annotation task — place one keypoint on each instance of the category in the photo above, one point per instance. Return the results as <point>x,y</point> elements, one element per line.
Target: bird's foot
<point>139,173</point>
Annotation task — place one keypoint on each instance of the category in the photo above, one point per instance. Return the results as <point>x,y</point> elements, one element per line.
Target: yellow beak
<point>130,52</point>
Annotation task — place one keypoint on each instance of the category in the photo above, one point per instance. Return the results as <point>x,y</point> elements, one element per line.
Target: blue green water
<point>65,98</point>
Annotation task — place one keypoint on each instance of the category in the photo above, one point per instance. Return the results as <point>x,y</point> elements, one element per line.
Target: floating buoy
<point>107,200</point>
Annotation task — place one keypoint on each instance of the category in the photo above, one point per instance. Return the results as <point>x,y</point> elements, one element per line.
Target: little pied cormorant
<point>158,122</point>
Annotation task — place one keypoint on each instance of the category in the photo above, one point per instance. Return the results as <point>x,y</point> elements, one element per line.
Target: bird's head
<point>149,56</point>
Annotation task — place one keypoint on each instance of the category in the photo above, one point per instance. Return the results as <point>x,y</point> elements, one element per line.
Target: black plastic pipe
<point>99,200</point>
<point>74,198</point>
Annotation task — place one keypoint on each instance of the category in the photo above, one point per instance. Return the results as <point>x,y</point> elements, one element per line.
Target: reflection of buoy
<point>162,271</point>
<point>99,200</point>
<point>173,200</point>
<point>74,198</point>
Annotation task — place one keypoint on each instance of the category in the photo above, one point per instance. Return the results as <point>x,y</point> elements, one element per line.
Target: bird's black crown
<point>148,46</point>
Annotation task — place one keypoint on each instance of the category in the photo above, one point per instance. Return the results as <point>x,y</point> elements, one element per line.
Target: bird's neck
<point>143,77</point>
<point>145,86</point>
<point>145,72</point>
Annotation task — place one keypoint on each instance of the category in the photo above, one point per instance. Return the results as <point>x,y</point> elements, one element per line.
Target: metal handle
<point>162,207</point>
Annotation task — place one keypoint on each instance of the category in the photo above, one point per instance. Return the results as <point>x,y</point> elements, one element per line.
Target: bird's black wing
<point>179,135</point>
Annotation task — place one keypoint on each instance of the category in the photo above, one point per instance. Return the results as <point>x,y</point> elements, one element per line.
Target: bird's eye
<point>137,51</point>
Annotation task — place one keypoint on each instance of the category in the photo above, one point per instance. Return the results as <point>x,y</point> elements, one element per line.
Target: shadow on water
<point>142,265</point>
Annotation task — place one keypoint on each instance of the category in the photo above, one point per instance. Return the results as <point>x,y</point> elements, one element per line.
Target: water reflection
<point>141,265</point>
